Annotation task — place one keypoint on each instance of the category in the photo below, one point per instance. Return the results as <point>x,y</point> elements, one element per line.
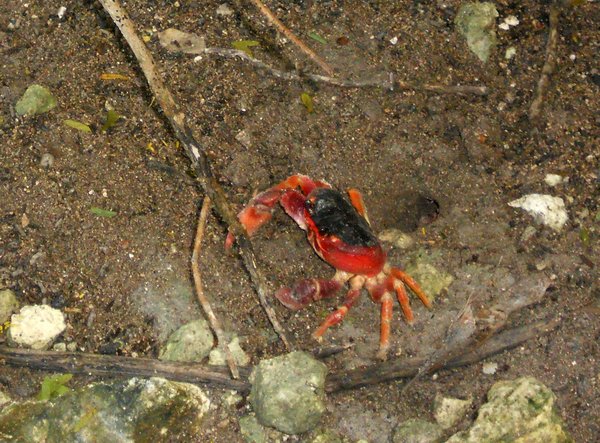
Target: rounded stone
<point>35,327</point>
<point>288,392</point>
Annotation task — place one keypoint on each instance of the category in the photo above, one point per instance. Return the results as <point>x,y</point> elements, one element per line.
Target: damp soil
<point>124,282</point>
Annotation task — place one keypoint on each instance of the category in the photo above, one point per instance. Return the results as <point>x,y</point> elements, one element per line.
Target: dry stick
<point>289,34</point>
<point>211,186</point>
<point>212,318</point>
<point>114,366</point>
<point>386,82</point>
<point>549,65</point>
<point>406,368</point>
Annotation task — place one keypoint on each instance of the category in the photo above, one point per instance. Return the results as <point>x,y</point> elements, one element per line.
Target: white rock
<point>511,51</point>
<point>490,368</point>
<point>224,9</point>
<point>545,209</point>
<point>35,327</point>
<point>449,411</point>
<point>217,357</point>
<point>395,236</point>
<point>553,179</point>
<point>4,399</point>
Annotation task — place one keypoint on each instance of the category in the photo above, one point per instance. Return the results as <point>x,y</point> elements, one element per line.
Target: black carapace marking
<point>334,215</point>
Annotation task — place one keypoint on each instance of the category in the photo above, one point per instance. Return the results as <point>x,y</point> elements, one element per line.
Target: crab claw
<point>306,291</point>
<point>257,213</point>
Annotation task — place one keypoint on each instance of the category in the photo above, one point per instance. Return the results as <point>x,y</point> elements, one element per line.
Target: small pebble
<point>553,179</point>
<point>47,160</point>
<point>224,10</point>
<point>511,51</point>
<point>490,368</point>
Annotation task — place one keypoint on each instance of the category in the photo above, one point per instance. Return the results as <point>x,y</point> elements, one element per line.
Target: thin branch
<point>468,331</point>
<point>196,154</point>
<point>212,318</point>
<point>549,65</point>
<point>384,81</point>
<point>289,34</point>
<point>406,368</point>
<point>115,366</point>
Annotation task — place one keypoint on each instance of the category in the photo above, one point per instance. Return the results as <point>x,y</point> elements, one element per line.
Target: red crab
<point>340,234</point>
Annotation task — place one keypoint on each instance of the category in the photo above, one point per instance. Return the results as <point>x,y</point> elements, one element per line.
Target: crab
<point>339,232</point>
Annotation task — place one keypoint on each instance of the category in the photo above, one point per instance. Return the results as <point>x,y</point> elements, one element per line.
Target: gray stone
<point>192,342</point>
<point>217,356</point>
<point>4,399</point>
<point>36,100</point>
<point>325,436</point>
<point>398,238</point>
<point>119,411</point>
<point>8,305</point>
<point>252,430</point>
<point>477,22</point>
<point>449,411</point>
<point>432,280</point>
<point>416,430</point>
<point>520,410</point>
<point>288,392</point>
<point>35,327</point>
<point>47,160</point>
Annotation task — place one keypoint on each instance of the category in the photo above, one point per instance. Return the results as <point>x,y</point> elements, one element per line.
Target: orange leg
<point>387,307</point>
<point>408,280</point>
<point>338,315</point>
<point>403,299</point>
<point>358,203</point>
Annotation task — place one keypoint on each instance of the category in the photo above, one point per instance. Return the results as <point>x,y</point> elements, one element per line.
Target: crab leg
<point>387,308</point>
<point>309,290</point>
<point>358,203</point>
<point>338,315</point>
<point>403,300</point>
<point>413,285</point>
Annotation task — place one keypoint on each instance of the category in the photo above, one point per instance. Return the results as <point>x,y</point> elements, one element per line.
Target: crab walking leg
<point>408,280</point>
<point>358,203</point>
<point>338,315</point>
<point>309,290</point>
<point>403,300</point>
<point>387,307</point>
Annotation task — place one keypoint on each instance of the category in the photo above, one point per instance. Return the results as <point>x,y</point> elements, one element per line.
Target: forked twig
<point>212,318</point>
<point>289,34</point>
<point>382,81</point>
<point>549,65</point>
<point>196,154</point>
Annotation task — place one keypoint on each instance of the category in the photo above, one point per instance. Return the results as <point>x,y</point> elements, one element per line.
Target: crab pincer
<point>340,233</point>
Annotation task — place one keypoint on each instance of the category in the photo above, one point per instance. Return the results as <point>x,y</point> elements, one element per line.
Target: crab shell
<point>338,233</point>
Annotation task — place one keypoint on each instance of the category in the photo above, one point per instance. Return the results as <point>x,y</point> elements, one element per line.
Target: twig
<point>469,332</point>
<point>549,65</point>
<point>212,318</point>
<point>289,34</point>
<point>196,154</point>
<point>384,81</point>
<point>114,366</point>
<point>405,368</point>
